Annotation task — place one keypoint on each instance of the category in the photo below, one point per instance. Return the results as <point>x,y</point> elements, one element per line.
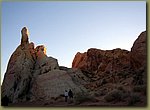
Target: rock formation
<point>138,52</point>
<point>19,71</point>
<point>25,35</point>
<point>53,84</point>
<point>108,69</point>
<point>96,62</point>
<point>32,75</point>
<point>97,77</point>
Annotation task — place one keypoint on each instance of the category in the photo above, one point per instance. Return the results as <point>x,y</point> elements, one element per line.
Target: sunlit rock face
<point>43,63</point>
<point>30,74</point>
<point>96,61</point>
<point>19,70</point>
<point>24,39</point>
<point>25,32</point>
<point>40,51</point>
<point>97,64</point>
<point>32,50</point>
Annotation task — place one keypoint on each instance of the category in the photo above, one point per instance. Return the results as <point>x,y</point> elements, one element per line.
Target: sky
<point>66,28</point>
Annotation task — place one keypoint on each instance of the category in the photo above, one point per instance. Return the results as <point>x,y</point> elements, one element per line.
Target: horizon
<point>66,28</point>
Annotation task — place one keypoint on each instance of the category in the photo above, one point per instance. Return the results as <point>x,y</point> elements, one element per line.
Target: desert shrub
<point>100,93</point>
<point>121,88</point>
<point>115,95</point>
<point>103,81</point>
<point>139,88</point>
<point>138,78</point>
<point>125,92</point>
<point>82,97</point>
<point>123,74</point>
<point>96,94</point>
<point>134,98</point>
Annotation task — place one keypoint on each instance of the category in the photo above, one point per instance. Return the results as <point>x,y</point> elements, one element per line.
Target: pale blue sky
<point>66,28</point>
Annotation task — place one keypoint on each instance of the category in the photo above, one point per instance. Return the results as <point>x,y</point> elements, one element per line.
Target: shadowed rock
<point>138,51</point>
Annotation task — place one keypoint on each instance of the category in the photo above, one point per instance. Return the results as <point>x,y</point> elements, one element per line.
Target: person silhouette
<point>66,95</point>
<point>70,94</point>
<point>4,101</point>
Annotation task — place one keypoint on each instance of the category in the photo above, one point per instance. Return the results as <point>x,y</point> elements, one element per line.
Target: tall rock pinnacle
<point>25,35</point>
<point>27,67</point>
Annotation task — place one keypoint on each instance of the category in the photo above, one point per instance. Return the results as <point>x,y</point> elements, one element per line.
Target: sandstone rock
<point>96,61</point>
<point>32,75</point>
<point>43,63</point>
<point>138,51</point>
<point>114,66</point>
<point>25,35</point>
<point>32,50</point>
<point>53,84</point>
<point>79,57</point>
<point>18,75</point>
<point>24,65</point>
<point>19,70</point>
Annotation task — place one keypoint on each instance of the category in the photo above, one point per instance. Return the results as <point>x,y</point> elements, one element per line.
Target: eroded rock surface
<point>138,51</point>
<point>96,76</point>
<point>31,75</point>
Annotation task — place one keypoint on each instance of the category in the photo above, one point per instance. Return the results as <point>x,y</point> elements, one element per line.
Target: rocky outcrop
<point>53,84</point>
<point>24,39</point>
<point>139,59</point>
<point>19,71</point>
<point>97,62</point>
<point>32,75</point>
<point>138,52</point>
<point>44,64</point>
<point>114,66</point>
